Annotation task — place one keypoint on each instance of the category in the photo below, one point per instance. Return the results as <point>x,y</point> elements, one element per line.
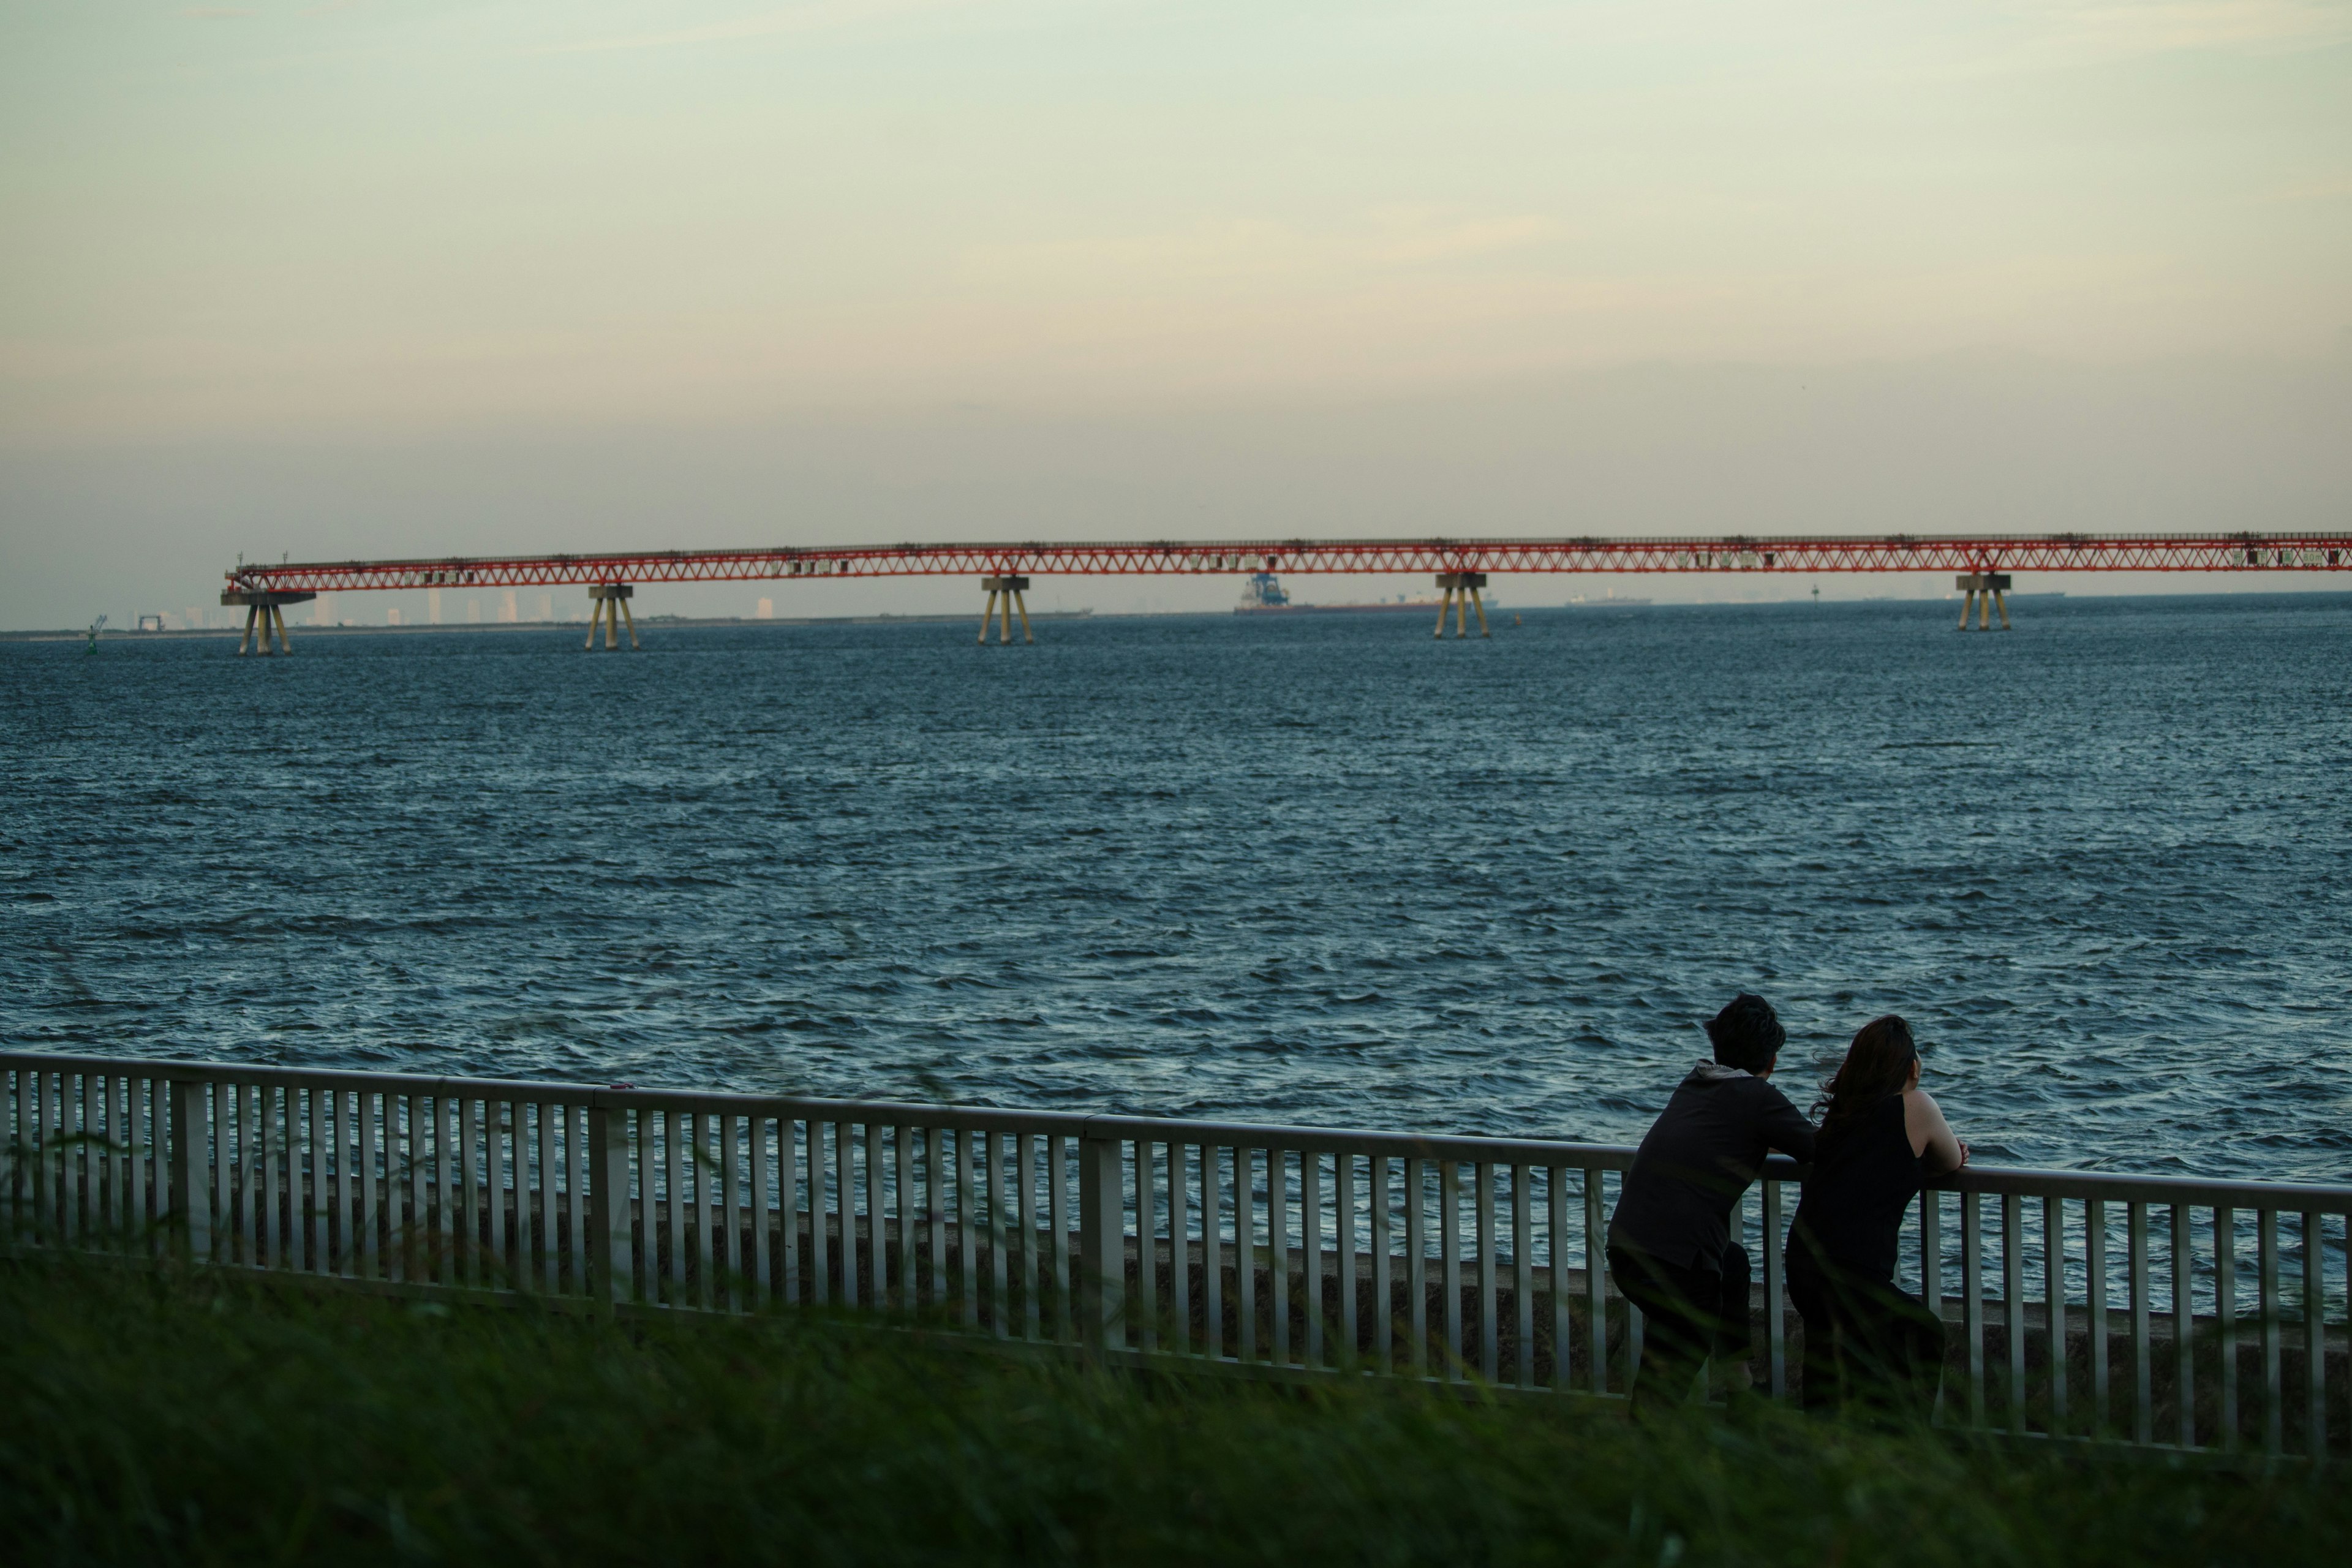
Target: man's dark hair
<point>1746,1033</point>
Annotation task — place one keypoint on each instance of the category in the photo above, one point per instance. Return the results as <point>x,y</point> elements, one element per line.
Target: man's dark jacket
<point>1700,1155</point>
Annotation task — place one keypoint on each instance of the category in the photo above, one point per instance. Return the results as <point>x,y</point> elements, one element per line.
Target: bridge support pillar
<point>1012,595</point>
<point>1985,593</point>
<point>1462,597</point>
<point>261,623</point>
<point>265,616</point>
<point>609,603</point>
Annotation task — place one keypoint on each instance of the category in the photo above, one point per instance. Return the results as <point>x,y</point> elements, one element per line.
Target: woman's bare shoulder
<point>1922,1120</point>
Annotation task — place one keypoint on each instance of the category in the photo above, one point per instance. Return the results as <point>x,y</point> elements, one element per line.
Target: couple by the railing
<point>1881,1138</point>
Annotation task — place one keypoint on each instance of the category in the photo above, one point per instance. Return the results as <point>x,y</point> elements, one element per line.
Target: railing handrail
<point>2022,1179</point>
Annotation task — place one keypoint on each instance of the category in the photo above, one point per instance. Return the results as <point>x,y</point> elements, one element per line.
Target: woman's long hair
<point>1876,1064</point>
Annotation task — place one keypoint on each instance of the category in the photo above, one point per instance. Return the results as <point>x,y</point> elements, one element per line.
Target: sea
<point>1316,869</point>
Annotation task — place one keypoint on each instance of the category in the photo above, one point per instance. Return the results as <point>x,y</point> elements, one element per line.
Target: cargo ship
<point>1264,595</point>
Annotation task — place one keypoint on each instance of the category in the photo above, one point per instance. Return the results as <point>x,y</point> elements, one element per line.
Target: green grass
<point>158,1419</point>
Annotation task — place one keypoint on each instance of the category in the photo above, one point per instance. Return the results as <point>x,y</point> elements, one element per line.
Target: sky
<point>372,279</point>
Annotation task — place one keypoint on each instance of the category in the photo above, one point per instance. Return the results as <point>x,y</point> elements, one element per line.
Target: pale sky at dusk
<point>379,279</point>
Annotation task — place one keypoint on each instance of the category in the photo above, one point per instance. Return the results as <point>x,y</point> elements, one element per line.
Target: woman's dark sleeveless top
<point>1863,1179</point>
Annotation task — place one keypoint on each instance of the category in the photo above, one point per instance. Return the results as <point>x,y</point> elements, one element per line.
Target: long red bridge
<point>1983,563</point>
<point>1803,553</point>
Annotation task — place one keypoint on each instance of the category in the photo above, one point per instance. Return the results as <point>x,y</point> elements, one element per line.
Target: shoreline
<point>185,634</point>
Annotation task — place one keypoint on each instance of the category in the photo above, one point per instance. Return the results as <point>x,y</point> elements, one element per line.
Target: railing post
<point>613,1251</point>
<point>1972,1312</point>
<point>2143,1395</point>
<point>1596,1282</point>
<point>2314,1336</point>
<point>2094,1278</point>
<point>2013,1289</point>
<point>1776,1321</point>
<point>41,1146</point>
<point>2274,1394</point>
<point>189,1153</point>
<point>1102,1243</point>
<point>2184,1323</point>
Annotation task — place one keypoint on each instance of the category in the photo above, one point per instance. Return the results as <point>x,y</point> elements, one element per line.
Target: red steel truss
<point>1892,553</point>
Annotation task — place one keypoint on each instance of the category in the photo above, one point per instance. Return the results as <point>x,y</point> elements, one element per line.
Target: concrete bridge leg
<point>1006,595</point>
<point>1462,597</point>
<point>264,618</point>
<point>1985,592</point>
<point>609,603</point>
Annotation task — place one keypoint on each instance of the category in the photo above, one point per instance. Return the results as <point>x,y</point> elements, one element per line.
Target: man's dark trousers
<point>1687,1315</point>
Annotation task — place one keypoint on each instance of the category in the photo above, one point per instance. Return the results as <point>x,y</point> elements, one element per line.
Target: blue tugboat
<point>1263,592</point>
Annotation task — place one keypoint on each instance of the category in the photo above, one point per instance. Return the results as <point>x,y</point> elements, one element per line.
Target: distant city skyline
<point>371,280</point>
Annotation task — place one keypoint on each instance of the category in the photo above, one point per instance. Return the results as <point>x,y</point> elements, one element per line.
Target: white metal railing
<point>2163,1312</point>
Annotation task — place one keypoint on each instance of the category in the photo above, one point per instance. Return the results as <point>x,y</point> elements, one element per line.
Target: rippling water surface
<point>1314,869</point>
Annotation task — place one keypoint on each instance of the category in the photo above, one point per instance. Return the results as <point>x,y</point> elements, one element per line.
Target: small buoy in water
<point>1516,622</point>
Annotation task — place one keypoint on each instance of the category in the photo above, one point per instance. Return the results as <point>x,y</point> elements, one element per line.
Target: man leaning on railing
<point>1670,1243</point>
